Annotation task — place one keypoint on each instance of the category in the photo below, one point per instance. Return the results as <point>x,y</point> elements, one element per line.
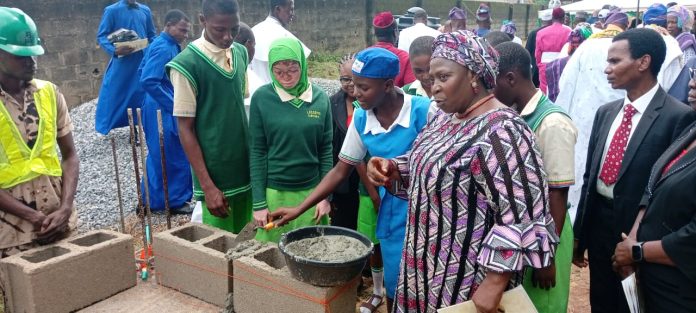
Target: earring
<point>474,87</point>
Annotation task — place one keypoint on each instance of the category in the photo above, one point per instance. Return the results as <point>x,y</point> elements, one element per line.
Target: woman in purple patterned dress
<point>478,202</point>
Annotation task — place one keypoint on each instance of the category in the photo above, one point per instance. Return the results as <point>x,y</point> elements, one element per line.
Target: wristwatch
<point>637,252</point>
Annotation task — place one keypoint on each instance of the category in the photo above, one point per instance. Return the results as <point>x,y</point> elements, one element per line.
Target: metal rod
<point>118,185</point>
<point>141,210</point>
<point>145,180</point>
<point>163,160</point>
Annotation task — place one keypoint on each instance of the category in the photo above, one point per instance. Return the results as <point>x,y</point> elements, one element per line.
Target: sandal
<point>368,304</point>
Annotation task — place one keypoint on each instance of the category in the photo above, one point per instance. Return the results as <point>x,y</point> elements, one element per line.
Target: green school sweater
<point>291,148</point>
<point>221,125</point>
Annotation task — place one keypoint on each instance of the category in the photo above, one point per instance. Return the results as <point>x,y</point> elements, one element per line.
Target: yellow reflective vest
<point>18,163</point>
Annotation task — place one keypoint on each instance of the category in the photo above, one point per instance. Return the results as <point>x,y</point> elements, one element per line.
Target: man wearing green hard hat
<point>37,187</point>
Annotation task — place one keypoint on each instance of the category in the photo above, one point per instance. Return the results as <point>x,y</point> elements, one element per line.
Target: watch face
<point>637,252</point>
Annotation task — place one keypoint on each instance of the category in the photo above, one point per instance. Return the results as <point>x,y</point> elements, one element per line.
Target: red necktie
<point>617,147</point>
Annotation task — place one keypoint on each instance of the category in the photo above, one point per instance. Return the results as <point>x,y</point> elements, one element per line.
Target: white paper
<point>515,300</point>
<point>630,288</point>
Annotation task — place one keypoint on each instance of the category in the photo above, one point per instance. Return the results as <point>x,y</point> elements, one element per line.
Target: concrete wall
<point>75,63</point>
<point>68,29</point>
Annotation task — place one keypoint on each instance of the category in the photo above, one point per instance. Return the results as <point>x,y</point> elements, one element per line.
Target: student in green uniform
<point>556,135</point>
<point>208,79</point>
<point>291,140</point>
<point>420,51</point>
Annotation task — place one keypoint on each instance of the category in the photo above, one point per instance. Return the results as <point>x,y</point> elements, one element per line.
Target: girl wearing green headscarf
<point>291,133</point>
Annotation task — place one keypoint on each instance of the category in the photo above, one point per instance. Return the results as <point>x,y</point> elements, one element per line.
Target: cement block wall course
<point>262,284</point>
<point>69,275</point>
<point>191,259</point>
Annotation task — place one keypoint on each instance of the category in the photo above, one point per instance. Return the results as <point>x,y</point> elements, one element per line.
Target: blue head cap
<point>376,63</point>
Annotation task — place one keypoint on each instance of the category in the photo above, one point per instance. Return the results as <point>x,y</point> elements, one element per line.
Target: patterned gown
<point>478,202</point>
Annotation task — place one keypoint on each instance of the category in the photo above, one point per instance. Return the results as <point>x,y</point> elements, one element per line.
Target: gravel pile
<point>96,199</point>
<point>329,86</point>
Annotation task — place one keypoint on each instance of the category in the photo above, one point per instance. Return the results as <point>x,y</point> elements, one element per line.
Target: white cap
<point>603,13</point>
<point>545,15</point>
<point>554,4</point>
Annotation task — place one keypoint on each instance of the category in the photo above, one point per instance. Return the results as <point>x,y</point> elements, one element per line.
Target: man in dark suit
<point>628,136</point>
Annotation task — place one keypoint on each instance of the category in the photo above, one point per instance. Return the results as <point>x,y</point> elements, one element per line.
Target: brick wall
<point>76,64</point>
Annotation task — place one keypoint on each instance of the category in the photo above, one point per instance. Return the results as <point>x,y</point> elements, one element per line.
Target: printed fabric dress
<point>478,202</point>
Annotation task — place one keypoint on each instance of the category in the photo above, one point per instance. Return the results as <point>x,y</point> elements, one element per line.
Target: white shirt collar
<point>418,88</point>
<point>210,46</point>
<point>641,104</point>
<point>404,118</point>
<point>306,96</point>
<point>532,104</point>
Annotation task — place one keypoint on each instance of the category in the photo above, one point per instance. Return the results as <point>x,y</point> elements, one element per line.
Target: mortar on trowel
<point>321,273</point>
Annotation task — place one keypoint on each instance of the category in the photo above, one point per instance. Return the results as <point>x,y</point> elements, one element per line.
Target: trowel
<point>247,233</point>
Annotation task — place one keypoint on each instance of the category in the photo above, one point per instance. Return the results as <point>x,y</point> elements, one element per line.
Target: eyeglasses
<point>692,72</point>
<point>290,72</point>
<point>346,80</point>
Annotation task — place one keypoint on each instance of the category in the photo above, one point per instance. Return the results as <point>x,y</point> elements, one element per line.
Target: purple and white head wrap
<point>509,28</point>
<point>457,14</point>
<point>617,17</point>
<point>470,51</point>
<point>685,17</point>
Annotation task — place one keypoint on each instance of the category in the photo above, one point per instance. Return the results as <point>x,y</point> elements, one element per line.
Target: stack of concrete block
<point>191,259</point>
<point>263,284</point>
<point>70,274</point>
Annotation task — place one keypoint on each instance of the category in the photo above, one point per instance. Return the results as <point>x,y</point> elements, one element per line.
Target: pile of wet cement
<point>329,248</point>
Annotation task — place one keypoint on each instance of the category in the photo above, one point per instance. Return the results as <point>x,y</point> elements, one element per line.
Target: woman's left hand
<point>323,208</point>
<point>486,300</point>
<point>487,296</point>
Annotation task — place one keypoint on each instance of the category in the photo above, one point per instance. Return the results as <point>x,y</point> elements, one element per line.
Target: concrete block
<point>191,259</point>
<point>263,284</point>
<point>70,274</point>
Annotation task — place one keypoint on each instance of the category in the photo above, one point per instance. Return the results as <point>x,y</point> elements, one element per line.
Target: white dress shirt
<point>640,104</point>
<point>408,35</point>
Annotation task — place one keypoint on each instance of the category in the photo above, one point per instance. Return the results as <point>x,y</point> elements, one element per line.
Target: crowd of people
<point>470,150</point>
